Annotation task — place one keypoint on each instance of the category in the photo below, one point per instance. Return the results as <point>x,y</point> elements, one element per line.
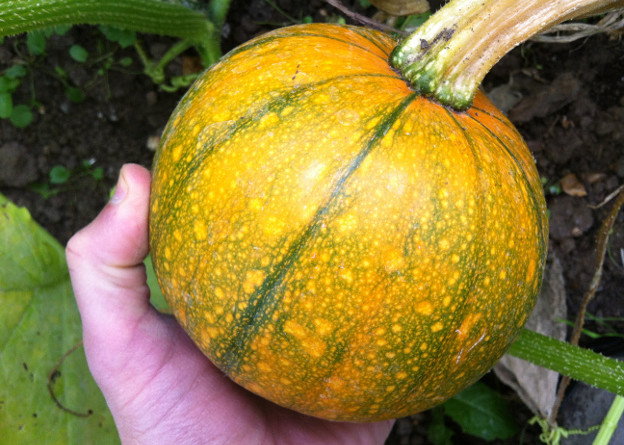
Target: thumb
<point>105,262</point>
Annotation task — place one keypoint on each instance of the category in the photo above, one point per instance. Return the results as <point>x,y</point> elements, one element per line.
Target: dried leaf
<point>571,185</point>
<point>595,177</point>
<point>505,96</point>
<point>402,7</point>
<point>537,386</point>
<point>191,65</point>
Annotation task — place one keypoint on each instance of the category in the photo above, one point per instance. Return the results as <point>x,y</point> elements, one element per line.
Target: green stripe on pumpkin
<point>261,304</point>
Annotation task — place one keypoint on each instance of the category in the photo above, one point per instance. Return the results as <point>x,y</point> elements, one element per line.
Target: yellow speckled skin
<point>335,242</point>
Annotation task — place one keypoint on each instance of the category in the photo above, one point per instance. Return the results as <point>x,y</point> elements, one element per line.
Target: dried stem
<point>569,32</point>
<point>52,376</point>
<point>361,18</point>
<point>601,250</point>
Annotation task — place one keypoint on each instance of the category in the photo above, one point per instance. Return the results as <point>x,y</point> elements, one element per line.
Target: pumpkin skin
<point>335,242</point>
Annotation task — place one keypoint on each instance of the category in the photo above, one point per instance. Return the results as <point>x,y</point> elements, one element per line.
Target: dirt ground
<point>567,100</point>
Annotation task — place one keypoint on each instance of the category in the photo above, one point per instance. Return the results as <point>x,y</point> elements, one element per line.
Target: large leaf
<point>39,323</point>
<point>482,412</point>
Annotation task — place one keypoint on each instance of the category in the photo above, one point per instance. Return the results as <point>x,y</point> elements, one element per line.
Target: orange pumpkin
<point>334,241</point>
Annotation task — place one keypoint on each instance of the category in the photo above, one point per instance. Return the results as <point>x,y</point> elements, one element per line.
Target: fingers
<point>105,261</point>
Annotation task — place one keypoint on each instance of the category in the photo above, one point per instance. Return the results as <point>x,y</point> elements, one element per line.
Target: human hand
<point>159,387</point>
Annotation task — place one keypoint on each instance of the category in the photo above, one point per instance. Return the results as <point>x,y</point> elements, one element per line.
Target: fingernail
<point>120,190</point>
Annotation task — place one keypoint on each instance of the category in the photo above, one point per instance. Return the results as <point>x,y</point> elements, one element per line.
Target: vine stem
<point>450,54</point>
<point>157,70</point>
<point>147,16</point>
<point>610,422</point>
<point>570,360</point>
<point>210,50</point>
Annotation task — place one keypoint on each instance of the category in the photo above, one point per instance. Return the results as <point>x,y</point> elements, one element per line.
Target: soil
<point>567,100</point>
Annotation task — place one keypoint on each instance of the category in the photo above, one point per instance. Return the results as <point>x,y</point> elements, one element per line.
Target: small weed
<point>59,174</point>
<point>19,115</point>
<point>33,47</point>
<point>551,188</point>
<point>123,37</point>
<point>78,53</point>
<point>61,178</point>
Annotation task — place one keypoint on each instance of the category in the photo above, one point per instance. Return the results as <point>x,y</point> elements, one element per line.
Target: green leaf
<point>43,189</point>
<point>414,21</point>
<point>78,53</point>
<point>59,174</point>
<point>75,94</point>
<point>8,84</point>
<point>123,37</point>
<point>22,116</point>
<point>97,173</point>
<point>61,72</point>
<point>61,30</point>
<point>438,433</point>
<point>6,105</point>
<point>125,61</point>
<point>16,71</point>
<point>39,322</point>
<point>36,42</point>
<point>482,412</point>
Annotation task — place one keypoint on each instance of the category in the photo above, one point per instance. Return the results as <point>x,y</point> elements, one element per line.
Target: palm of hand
<point>160,388</point>
<point>176,392</point>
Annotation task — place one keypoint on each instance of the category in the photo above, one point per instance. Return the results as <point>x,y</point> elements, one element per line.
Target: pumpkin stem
<point>450,54</point>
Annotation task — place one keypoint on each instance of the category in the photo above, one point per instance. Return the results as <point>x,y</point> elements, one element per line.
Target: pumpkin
<point>334,241</point>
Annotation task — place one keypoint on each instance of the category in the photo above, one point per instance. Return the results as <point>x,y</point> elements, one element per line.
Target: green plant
<point>61,178</point>
<point>481,412</point>
<point>103,60</point>
<point>551,188</point>
<point>13,77</point>
<point>412,22</point>
<point>10,80</point>
<point>552,434</point>
<point>59,174</point>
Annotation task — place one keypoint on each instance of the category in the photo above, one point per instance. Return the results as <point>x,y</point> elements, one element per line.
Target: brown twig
<point>608,199</point>
<point>363,19</point>
<point>52,376</point>
<point>601,249</point>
